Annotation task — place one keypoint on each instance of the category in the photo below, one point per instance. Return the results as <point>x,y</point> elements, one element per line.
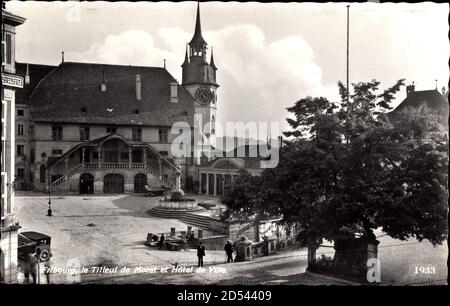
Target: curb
<point>334,278</point>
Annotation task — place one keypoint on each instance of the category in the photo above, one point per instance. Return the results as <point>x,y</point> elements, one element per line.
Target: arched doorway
<point>140,180</point>
<point>86,184</point>
<point>113,183</point>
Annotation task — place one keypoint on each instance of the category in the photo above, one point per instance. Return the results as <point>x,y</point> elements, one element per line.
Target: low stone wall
<point>219,226</point>
<point>212,243</point>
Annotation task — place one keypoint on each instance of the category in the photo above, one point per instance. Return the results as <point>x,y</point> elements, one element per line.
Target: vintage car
<point>34,243</point>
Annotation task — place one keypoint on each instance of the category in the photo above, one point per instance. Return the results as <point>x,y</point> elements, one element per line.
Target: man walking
<point>200,254</point>
<point>161,241</point>
<point>31,267</point>
<point>229,251</point>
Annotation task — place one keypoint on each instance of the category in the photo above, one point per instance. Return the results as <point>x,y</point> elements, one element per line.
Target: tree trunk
<point>311,255</point>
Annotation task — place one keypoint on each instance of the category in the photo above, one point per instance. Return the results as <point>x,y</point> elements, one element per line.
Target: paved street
<point>119,225</point>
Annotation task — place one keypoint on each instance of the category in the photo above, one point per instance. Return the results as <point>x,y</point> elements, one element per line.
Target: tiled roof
<point>37,73</point>
<point>248,161</point>
<point>432,98</point>
<point>72,93</point>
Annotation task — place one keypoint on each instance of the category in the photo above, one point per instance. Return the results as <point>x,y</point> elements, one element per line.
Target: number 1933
<point>424,270</point>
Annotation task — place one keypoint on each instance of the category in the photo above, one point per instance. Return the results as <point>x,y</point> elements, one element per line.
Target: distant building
<point>433,99</point>
<point>10,83</point>
<point>25,155</point>
<point>222,169</point>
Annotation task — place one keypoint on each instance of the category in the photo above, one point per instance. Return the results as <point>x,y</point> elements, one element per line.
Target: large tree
<point>349,170</point>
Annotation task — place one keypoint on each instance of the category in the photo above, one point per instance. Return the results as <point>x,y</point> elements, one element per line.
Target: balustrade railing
<point>109,166</point>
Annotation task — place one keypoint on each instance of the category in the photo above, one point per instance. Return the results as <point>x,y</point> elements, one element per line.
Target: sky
<point>269,55</point>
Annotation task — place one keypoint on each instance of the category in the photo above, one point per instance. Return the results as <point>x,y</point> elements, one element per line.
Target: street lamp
<point>49,211</point>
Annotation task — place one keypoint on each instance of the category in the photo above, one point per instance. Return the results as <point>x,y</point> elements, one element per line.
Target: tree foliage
<point>349,170</point>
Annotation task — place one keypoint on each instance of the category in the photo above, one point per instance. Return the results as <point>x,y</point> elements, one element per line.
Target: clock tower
<point>199,78</point>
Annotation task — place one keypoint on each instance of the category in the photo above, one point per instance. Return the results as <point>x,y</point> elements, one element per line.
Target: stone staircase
<point>66,176</point>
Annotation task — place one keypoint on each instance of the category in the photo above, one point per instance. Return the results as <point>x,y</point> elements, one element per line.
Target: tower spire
<point>198,39</point>
<point>186,58</point>
<point>211,63</point>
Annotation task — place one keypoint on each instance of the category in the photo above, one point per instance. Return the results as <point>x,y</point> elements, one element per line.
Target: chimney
<point>138,87</point>
<point>27,75</point>
<point>103,81</point>
<point>62,56</point>
<point>174,92</point>
<point>410,89</point>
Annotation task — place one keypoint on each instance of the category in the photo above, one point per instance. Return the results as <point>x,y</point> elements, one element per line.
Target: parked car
<point>34,242</point>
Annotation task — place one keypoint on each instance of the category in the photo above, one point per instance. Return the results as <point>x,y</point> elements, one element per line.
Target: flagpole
<point>348,39</point>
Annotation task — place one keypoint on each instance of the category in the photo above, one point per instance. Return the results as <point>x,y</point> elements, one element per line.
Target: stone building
<point>437,101</point>
<point>96,128</point>
<point>215,174</point>
<point>24,128</point>
<point>10,83</point>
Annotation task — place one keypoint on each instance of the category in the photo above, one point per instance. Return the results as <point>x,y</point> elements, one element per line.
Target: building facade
<point>10,83</point>
<point>24,129</point>
<point>433,99</point>
<point>95,128</point>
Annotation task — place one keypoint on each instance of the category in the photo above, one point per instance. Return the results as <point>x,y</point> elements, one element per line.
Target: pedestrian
<point>229,251</point>
<point>200,254</point>
<point>30,267</point>
<point>47,267</point>
<point>161,241</point>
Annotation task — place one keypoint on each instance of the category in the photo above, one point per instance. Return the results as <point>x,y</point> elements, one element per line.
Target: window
<point>84,133</point>
<point>20,112</point>
<point>95,155</point>
<point>110,130</point>
<point>84,109</point>
<point>20,173</point>
<point>32,155</point>
<point>57,133</point>
<point>136,111</point>
<point>31,130</point>
<point>173,92</point>
<point>57,152</point>
<point>163,135</point>
<point>20,129</point>
<point>3,55</point>
<point>137,134</point>
<point>7,56</point>
<point>20,150</point>
<point>124,155</point>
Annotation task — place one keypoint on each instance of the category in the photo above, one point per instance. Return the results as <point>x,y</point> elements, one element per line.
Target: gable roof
<point>72,93</point>
<point>245,156</point>
<point>37,73</point>
<point>432,98</point>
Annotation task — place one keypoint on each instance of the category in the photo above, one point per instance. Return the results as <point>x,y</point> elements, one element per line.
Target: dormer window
<point>174,92</point>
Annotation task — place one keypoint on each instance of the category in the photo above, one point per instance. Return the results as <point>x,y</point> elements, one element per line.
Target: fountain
<point>177,201</point>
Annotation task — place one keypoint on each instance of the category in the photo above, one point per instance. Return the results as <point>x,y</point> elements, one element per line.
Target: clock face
<point>203,95</point>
